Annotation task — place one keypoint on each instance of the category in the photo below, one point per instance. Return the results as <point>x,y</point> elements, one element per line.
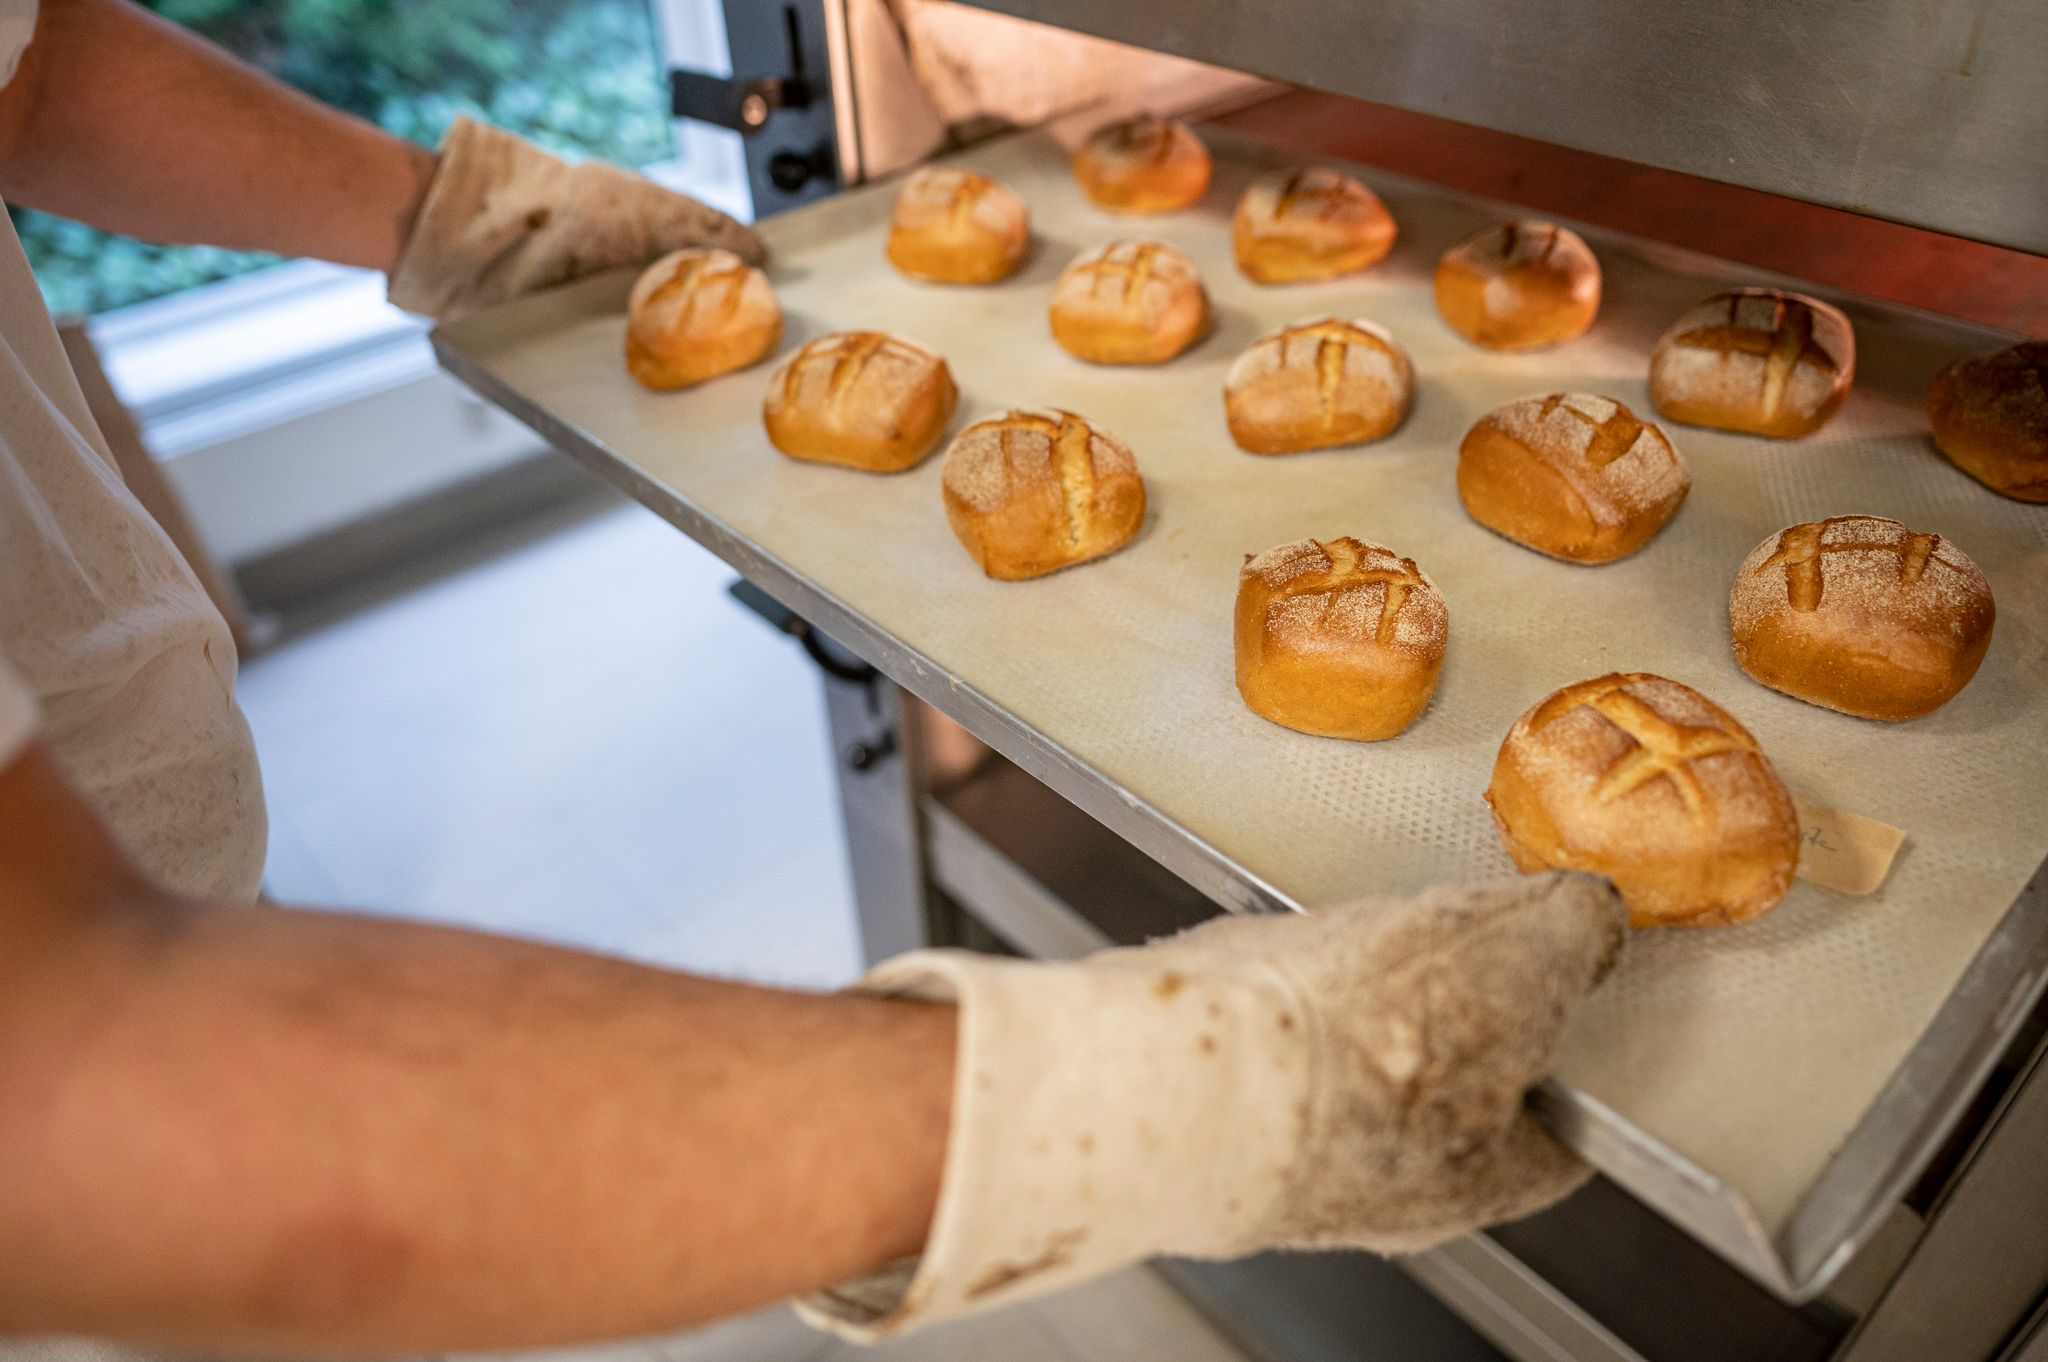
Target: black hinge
<point>744,104</point>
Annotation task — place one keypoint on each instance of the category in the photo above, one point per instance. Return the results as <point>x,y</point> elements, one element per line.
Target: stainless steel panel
<point>1924,111</point>
<point>1521,1314</point>
<point>883,849</point>
<point>993,888</point>
<point>2032,1344</point>
<point>1983,1262</point>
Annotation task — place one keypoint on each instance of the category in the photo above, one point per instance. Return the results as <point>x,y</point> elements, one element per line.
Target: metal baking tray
<point>1772,1088</point>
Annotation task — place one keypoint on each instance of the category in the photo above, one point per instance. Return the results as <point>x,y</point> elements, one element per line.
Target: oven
<point>1837,1146</point>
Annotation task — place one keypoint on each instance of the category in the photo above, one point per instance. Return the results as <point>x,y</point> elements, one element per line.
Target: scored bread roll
<point>1655,786</point>
<point>1519,285</point>
<point>861,399</point>
<point>1861,614</point>
<point>1130,302</point>
<point>1309,224</point>
<point>698,313</point>
<point>1313,384</point>
<point>1031,492</point>
<point>1145,164</point>
<point>1989,414</point>
<point>957,226</point>
<point>1573,475</point>
<point>1340,638</point>
<point>1757,360</point>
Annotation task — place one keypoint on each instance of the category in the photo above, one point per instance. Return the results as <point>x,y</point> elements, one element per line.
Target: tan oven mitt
<point>1354,1077</point>
<point>503,218</point>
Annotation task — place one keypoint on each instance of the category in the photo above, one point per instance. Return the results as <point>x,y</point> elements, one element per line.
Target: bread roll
<point>955,226</point>
<point>1658,788</point>
<point>1130,302</point>
<point>1573,475</point>
<point>1519,285</point>
<point>1342,639</point>
<point>1757,361</point>
<point>1318,383</point>
<point>698,313</point>
<point>862,399</point>
<point>1309,224</point>
<point>1990,416</point>
<point>1860,614</point>
<point>1031,492</point>
<point>1145,164</point>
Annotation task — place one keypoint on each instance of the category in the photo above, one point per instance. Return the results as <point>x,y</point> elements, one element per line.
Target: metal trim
<point>1520,1313</point>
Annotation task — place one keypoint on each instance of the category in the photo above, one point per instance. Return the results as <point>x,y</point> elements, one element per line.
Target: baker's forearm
<point>123,120</point>
<point>281,1130</point>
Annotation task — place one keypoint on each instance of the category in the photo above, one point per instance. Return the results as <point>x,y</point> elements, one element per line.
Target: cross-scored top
<point>1662,746</point>
<point>1314,194</point>
<point>827,370</point>
<point>1147,135</point>
<point>1774,326</point>
<point>1613,436</point>
<point>1803,547</point>
<point>709,285</point>
<point>1353,566</point>
<point>1127,267</point>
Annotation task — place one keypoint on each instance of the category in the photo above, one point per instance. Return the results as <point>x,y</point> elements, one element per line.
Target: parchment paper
<point>1752,1050</point>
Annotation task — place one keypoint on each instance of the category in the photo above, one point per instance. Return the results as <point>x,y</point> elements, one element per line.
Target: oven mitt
<point>503,218</point>
<point>1352,1078</point>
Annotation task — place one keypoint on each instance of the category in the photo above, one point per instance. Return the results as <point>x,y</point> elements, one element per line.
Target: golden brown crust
<point>1295,225</point>
<point>1862,615</point>
<point>1756,360</point>
<point>861,399</point>
<point>1519,285</point>
<point>698,313</point>
<point>957,226</point>
<point>1031,492</point>
<point>1573,475</point>
<point>1313,384</point>
<point>1653,785</point>
<point>1989,414</point>
<point>1130,302</point>
<point>1343,639</point>
<point>1145,164</point>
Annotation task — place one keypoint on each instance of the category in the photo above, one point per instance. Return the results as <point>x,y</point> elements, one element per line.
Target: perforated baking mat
<point>1750,1054</point>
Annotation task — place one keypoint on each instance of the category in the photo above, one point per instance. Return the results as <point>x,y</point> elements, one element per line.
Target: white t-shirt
<point>110,652</point>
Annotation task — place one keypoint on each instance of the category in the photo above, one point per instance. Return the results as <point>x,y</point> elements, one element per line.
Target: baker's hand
<point>502,218</point>
<point>1354,1077</point>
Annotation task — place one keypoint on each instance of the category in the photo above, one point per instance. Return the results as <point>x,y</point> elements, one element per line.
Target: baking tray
<point>1772,1087</point>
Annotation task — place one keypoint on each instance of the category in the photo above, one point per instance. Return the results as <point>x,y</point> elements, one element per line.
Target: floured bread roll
<point>1343,639</point>
<point>1989,414</point>
<point>1030,492</point>
<point>1519,285</point>
<point>957,226</point>
<point>1655,786</point>
<point>862,399</point>
<point>1860,614</point>
<point>1295,225</point>
<point>1573,475</point>
<point>1145,164</point>
<point>1757,360</point>
<point>698,313</point>
<point>1317,383</point>
<point>1130,302</point>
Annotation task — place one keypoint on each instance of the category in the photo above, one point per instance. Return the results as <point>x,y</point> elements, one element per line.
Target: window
<point>580,76</point>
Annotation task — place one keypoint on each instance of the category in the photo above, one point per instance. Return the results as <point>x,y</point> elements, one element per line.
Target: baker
<point>241,1128</point>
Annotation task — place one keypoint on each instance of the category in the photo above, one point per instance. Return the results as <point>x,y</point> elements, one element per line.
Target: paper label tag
<point>1844,851</point>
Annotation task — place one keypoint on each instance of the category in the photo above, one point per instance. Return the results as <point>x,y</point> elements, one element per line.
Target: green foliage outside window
<point>578,76</point>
